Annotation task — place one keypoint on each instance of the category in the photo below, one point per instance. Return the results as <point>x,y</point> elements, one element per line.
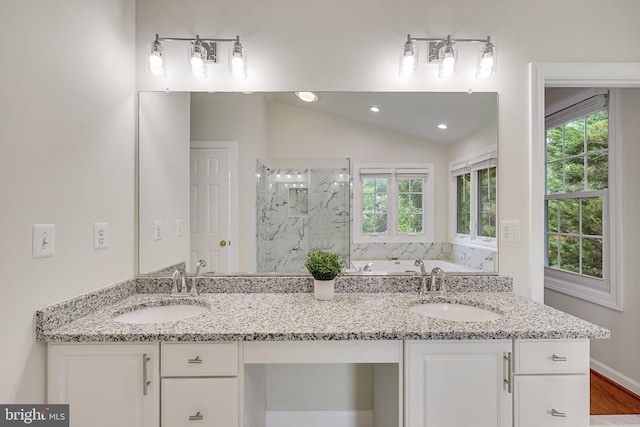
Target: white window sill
<point>569,284</point>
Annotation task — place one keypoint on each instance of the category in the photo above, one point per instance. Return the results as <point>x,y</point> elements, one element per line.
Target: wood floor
<point>608,398</point>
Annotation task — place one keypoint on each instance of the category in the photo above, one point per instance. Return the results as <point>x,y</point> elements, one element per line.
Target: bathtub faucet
<point>367,266</point>
<point>420,263</point>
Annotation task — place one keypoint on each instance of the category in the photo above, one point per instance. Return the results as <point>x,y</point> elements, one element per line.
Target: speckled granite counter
<point>298,316</point>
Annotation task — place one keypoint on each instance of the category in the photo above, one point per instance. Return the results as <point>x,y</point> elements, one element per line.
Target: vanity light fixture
<point>307,96</point>
<point>156,62</point>
<point>444,52</point>
<point>202,52</point>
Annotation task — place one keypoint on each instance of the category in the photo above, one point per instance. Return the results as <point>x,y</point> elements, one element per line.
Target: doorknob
<point>223,243</point>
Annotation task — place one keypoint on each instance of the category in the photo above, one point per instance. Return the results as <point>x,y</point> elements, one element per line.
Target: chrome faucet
<point>182,289</point>
<point>367,267</point>
<point>194,280</point>
<point>437,273</point>
<point>420,263</point>
<point>180,281</point>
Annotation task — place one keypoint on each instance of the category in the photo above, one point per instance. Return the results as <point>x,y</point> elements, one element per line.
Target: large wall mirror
<point>251,181</point>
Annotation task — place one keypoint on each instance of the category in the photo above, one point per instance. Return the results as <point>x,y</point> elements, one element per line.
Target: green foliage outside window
<point>410,214</point>
<point>374,205</point>
<point>577,160</point>
<point>463,220</point>
<point>487,201</point>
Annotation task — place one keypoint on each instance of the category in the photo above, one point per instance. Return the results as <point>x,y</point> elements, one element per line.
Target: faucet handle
<point>201,264</point>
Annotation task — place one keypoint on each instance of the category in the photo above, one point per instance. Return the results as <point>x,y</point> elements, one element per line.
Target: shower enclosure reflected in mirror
<point>302,204</point>
<point>460,209</point>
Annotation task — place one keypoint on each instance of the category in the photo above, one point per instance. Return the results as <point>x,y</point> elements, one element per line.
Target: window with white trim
<point>393,202</point>
<point>578,146</point>
<point>474,190</point>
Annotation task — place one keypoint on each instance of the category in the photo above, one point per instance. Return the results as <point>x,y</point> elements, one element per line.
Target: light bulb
<point>448,61</point>
<point>155,60</point>
<point>196,62</point>
<point>486,63</point>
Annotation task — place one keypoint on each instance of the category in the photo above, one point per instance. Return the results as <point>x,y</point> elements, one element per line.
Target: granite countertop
<point>349,316</point>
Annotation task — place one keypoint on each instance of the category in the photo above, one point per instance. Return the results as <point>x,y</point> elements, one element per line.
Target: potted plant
<point>324,267</point>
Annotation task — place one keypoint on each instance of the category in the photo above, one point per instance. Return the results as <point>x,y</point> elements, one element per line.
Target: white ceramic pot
<point>323,289</point>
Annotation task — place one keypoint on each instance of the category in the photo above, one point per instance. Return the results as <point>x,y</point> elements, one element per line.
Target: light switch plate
<point>157,230</point>
<point>100,235</point>
<point>44,240</point>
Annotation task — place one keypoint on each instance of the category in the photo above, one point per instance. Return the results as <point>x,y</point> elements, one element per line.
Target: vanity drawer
<point>199,359</point>
<point>202,402</point>
<point>551,356</point>
<point>551,400</point>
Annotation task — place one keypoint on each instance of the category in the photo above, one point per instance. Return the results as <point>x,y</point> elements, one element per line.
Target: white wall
<point>163,169</point>
<point>336,45</point>
<point>474,143</point>
<point>619,353</point>
<point>67,150</point>
<point>299,133</point>
<point>239,118</point>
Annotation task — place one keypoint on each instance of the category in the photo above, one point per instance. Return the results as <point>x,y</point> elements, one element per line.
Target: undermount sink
<point>455,312</point>
<point>161,314</point>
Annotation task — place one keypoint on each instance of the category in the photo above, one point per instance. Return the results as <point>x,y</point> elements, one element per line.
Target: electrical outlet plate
<point>44,240</point>
<point>179,227</point>
<point>510,231</point>
<point>100,235</point>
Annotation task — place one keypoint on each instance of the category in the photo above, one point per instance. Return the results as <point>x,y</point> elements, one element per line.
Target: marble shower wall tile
<point>291,221</point>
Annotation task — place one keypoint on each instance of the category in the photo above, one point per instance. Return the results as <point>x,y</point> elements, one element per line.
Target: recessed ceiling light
<point>307,96</point>
<point>442,126</point>
<point>374,109</point>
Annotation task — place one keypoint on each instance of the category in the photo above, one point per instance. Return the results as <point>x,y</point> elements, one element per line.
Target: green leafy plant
<point>323,265</point>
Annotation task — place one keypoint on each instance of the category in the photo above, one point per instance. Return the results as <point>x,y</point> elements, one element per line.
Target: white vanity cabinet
<point>457,383</point>
<point>200,384</point>
<point>106,385</point>
<point>551,383</point>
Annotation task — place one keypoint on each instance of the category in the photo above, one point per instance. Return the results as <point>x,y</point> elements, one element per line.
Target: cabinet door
<point>205,402</point>
<point>457,383</point>
<point>106,385</point>
<point>551,400</point>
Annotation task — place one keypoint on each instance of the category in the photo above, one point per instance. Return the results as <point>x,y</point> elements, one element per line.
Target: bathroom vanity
<point>529,367</point>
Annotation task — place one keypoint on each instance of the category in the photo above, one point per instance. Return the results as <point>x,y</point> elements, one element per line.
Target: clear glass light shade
<point>156,63</point>
<point>238,61</point>
<point>487,61</point>
<point>197,60</point>
<point>408,60</point>
<point>448,59</point>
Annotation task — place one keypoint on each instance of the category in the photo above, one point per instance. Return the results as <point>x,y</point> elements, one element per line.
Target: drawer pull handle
<point>196,417</point>
<point>145,374</point>
<point>197,360</point>
<point>555,413</point>
<point>557,358</point>
<point>508,360</point>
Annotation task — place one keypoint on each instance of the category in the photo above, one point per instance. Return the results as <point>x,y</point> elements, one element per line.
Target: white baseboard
<point>615,376</point>
<point>319,418</point>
